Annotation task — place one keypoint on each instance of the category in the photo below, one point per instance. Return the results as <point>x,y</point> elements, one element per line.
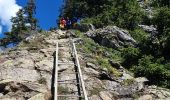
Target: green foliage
<point>127,82</point>
<point>161,3</point>
<point>150,58</point>
<point>162,20</point>
<point>139,35</point>
<point>129,13</point>
<point>153,70</point>
<point>98,53</point>
<point>123,13</point>
<point>131,56</point>
<point>20,28</point>
<point>30,10</point>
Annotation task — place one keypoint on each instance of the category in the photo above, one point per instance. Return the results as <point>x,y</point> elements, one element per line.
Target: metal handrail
<point>56,74</point>
<point>79,70</point>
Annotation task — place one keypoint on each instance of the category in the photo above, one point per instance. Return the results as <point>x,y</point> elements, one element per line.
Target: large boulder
<point>112,36</point>
<point>85,27</point>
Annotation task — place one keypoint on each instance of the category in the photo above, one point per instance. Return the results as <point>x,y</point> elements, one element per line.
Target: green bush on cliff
<point>156,72</point>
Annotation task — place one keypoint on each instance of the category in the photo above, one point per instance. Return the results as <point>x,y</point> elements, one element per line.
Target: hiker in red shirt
<point>62,23</point>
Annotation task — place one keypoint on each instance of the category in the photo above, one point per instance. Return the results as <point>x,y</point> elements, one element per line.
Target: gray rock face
<point>29,39</point>
<point>19,74</point>
<point>112,36</point>
<point>145,97</point>
<point>159,93</point>
<point>78,40</point>
<point>85,27</point>
<point>94,97</point>
<point>25,71</point>
<point>150,29</point>
<point>146,6</point>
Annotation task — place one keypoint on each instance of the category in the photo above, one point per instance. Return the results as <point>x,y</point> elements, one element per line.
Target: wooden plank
<point>67,80</point>
<point>79,70</point>
<point>68,73</point>
<point>66,63</point>
<point>69,96</point>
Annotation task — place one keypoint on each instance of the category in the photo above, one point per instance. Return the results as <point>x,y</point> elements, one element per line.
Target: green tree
<point>18,26</point>
<point>30,10</point>
<point>161,3</point>
<point>162,20</point>
<point>154,70</point>
<point>123,13</point>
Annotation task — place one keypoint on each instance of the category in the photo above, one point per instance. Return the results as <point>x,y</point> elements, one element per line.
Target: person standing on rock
<point>68,23</point>
<point>62,23</point>
<point>74,22</point>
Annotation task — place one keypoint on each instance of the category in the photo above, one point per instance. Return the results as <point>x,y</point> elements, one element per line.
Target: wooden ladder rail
<point>74,53</point>
<point>79,70</point>
<point>56,74</point>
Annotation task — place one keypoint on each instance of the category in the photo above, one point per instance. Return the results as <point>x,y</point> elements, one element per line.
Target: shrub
<point>154,71</point>
<point>130,56</point>
<point>139,35</point>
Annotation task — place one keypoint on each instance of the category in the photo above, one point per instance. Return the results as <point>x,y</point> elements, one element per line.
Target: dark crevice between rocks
<point>7,88</point>
<point>2,89</point>
<point>105,76</point>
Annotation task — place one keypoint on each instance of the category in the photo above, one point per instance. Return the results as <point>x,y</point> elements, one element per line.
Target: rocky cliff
<point>112,36</point>
<point>26,70</point>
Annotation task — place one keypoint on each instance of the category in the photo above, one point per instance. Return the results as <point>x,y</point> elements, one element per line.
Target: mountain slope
<point>26,71</point>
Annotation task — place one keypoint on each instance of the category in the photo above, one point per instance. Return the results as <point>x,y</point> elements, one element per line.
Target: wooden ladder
<point>78,82</point>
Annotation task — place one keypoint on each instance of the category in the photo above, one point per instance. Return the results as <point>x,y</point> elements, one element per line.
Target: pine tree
<point>23,22</point>
<point>18,26</point>
<point>30,10</point>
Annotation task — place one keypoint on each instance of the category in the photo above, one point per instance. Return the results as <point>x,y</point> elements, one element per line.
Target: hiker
<point>68,23</point>
<point>62,23</point>
<point>74,22</point>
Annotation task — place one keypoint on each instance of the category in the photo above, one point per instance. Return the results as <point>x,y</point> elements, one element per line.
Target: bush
<point>154,71</point>
<point>139,35</point>
<point>162,20</point>
<point>131,56</point>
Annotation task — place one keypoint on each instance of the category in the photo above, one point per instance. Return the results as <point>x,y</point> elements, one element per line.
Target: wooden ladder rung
<point>69,96</point>
<point>68,83</point>
<point>67,73</point>
<point>66,64</point>
<point>67,80</point>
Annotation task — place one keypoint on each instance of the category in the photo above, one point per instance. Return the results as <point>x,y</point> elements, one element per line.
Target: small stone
<point>104,95</point>
<point>91,65</point>
<point>94,97</point>
<point>39,96</point>
<point>145,97</point>
<point>1,94</point>
<point>141,79</point>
